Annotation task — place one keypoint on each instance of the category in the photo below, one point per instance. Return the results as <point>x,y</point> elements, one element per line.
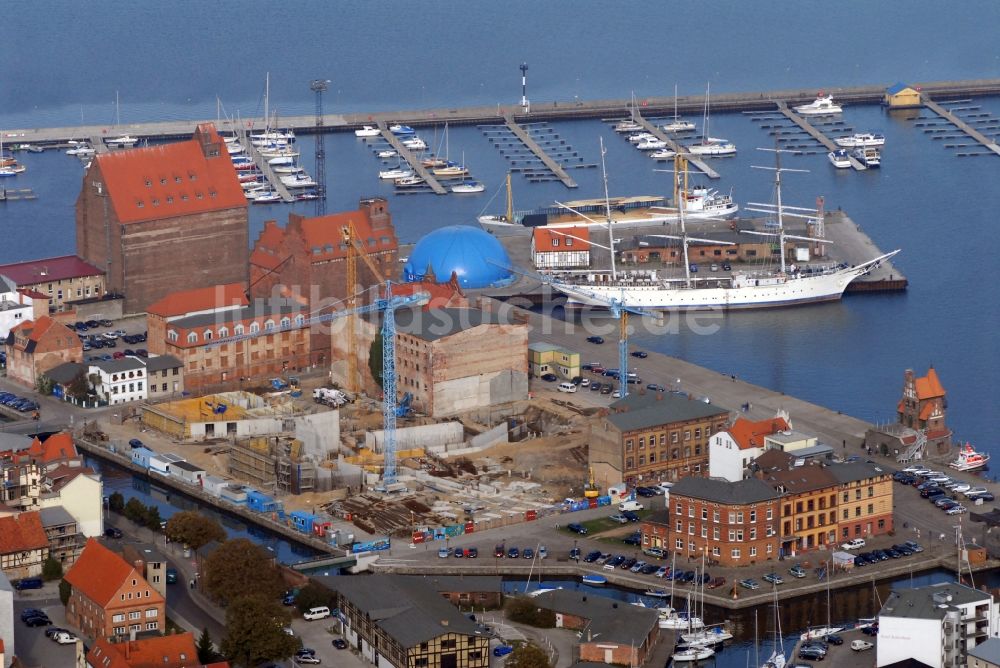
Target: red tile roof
<point>171,180</point>
<point>324,233</point>
<point>173,651</point>
<point>200,299</point>
<point>99,573</point>
<point>750,434</point>
<point>929,387</point>
<point>54,448</point>
<point>48,269</point>
<point>442,295</point>
<point>21,533</point>
<point>63,474</point>
<point>34,294</point>
<point>545,237</point>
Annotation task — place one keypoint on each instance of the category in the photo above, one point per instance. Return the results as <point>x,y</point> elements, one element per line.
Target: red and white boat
<point>969,459</point>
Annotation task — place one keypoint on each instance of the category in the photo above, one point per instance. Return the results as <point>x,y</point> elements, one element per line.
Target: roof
<point>611,620</point>
<point>65,373</point>
<point>442,295</point>
<point>799,479</point>
<point>170,180</point>
<point>177,650</point>
<point>716,490</point>
<point>855,471</point>
<point>750,433</point>
<point>260,309</point>
<point>661,517</point>
<point>898,88</point>
<point>55,516</point>
<point>474,255</point>
<point>36,330</point>
<point>62,475</point>
<point>931,601</point>
<point>465,583</point>
<point>549,240</point>
<point>187,466</point>
<point>929,387</point>
<point>118,365</point>
<point>442,322</point>
<point>160,362</point>
<point>22,532</point>
<point>987,651</point>
<point>197,300</point>
<point>48,270</point>
<point>54,448</point>
<point>407,608</point>
<point>642,410</point>
<point>99,573</point>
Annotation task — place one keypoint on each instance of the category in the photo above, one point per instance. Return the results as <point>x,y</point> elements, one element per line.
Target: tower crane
<point>355,249</point>
<point>387,305</point>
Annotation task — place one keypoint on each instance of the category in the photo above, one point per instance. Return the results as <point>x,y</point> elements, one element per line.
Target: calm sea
<point>178,60</point>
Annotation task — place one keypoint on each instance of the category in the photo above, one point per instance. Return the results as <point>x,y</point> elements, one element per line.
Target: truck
<point>329,397</point>
<point>861,645</point>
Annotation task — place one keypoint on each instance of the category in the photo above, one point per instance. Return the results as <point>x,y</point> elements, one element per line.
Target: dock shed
<point>549,358</point>
<point>233,493</point>
<point>213,484</point>
<point>901,96</point>
<point>262,503</point>
<point>187,472</point>
<point>141,456</point>
<point>303,521</point>
<point>161,461</point>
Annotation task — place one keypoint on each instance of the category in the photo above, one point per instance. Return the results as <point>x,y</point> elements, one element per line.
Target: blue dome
<point>475,256</point>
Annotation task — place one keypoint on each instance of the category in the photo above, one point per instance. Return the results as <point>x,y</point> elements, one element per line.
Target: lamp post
<point>524,88</point>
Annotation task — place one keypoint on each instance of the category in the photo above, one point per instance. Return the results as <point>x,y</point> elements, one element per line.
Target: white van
<point>316,613</point>
<point>567,387</point>
<point>630,505</point>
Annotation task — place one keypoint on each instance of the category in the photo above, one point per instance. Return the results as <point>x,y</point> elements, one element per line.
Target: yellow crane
<point>354,250</point>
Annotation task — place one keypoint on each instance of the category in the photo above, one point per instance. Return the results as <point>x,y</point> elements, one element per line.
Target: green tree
<point>239,568</point>
<point>255,631</point>
<point>65,589</point>
<point>78,387</point>
<point>206,648</point>
<point>524,611</point>
<point>528,656</point>
<point>375,358</point>
<point>152,519</point>
<point>52,569</point>
<point>44,385</point>
<point>194,529</point>
<point>313,596</point>
<point>116,502</point>
<point>135,510</point>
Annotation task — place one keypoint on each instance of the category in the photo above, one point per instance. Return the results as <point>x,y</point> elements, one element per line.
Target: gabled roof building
<point>35,346</point>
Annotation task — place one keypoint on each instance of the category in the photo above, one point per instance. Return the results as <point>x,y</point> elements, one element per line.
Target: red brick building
<point>924,405</point>
<point>164,218</point>
<point>173,651</point>
<point>110,598</point>
<point>187,324</point>
<point>35,346</point>
<point>731,523</point>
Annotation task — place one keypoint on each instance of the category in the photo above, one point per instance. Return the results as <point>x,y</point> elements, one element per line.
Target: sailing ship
<point>121,141</point>
<point>711,146</point>
<point>678,124</point>
<point>789,286</point>
<point>969,459</point>
<point>819,632</point>
<point>777,658</point>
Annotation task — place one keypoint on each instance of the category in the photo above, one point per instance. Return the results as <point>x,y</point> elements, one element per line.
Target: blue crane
<point>387,305</point>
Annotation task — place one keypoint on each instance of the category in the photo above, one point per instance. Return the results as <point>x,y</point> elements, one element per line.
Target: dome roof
<point>475,256</point>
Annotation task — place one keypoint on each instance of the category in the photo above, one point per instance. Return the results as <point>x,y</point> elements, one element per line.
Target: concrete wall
<point>99,309</point>
<point>319,433</point>
<point>252,427</point>
<point>6,615</point>
<point>496,435</point>
<point>423,436</point>
<point>487,389</point>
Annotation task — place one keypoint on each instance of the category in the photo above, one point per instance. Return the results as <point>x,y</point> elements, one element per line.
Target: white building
<point>730,452</point>
<point>187,472</point>
<point>6,617</point>
<point>81,492</point>
<point>935,625</point>
<point>15,307</point>
<point>565,248</point>
<point>122,380</point>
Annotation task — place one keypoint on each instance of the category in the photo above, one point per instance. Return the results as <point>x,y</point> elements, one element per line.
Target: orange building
<point>562,248</point>
<point>808,501</point>
<point>924,404</point>
<point>864,500</point>
<point>35,346</point>
<point>110,598</point>
<point>174,651</point>
<point>24,547</point>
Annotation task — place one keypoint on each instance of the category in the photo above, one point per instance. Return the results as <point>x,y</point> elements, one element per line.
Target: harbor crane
<point>387,305</point>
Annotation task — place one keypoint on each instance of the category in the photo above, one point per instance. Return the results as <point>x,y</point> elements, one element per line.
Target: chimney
<point>444,622</point>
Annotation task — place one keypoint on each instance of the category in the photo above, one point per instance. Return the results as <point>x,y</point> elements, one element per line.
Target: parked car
<point>443,553</point>
<point>64,638</point>
<point>641,354</point>
<point>661,571</point>
<point>812,652</point>
<point>618,517</point>
<point>913,545</point>
<point>633,539</point>
<point>956,510</point>
<point>51,632</point>
<point>577,528</point>
<point>592,339</point>
<point>984,496</point>
<point>870,630</point>
<point>592,556</point>
<point>528,553</point>
<point>113,532</point>
<point>855,544</point>
<point>574,553</point>
<point>749,583</point>
<point>29,583</point>
<point>31,612</point>
<point>774,578</point>
<point>716,582</point>
<point>637,566</point>
<point>458,552</point>
<point>340,643</point>
<point>834,639</point>
<point>861,645</point>
<point>549,377</point>
<point>630,516</point>
<point>38,620</point>
<point>797,571</point>
<point>542,552</point>
<point>653,387</point>
<point>502,650</point>
<point>499,551</point>
<point>513,553</point>
<point>655,552</point>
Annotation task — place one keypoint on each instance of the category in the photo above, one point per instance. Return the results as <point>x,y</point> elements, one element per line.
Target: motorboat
<point>627,126</point>
<point>656,593</point>
<point>651,145</point>
<point>409,181</point>
<point>594,580</point>
<point>969,459</point>
<point>261,142</point>
<point>869,157</point>
<point>277,136</point>
<point>663,154</point>
<point>395,173</point>
<point>298,181</point>
<point>468,187</point>
<point>123,141</point>
<point>267,197</point>
<point>414,143</point>
<point>388,153</point>
<point>861,140</point>
<point>839,158</point>
<point>281,161</point>
<point>692,654</point>
<point>248,177</point>
<point>12,170</point>
<point>641,137</point>
<point>287,169</point>
<point>434,162</point>
<point>678,125</point>
<point>713,147</point>
<point>367,131</point>
<point>307,195</point>
<point>278,152</point>
<point>401,130</point>
<point>823,105</point>
<point>81,149</point>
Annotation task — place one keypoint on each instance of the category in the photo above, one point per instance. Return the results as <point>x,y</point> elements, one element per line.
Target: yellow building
<point>901,96</point>
<point>865,503</point>
<point>549,358</point>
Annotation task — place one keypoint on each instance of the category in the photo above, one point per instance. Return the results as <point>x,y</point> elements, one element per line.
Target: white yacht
<point>409,181</point>
<point>122,141</point>
<point>395,173</point>
<point>400,130</point>
<point>839,158</point>
<point>81,149</point>
<point>367,131</point>
<point>627,126</point>
<point>298,181</point>
<point>281,161</point>
<point>663,154</point>
<point>821,106</point>
<point>388,153</point>
<point>414,144</point>
<point>679,125</point>
<point>713,147</point>
<point>640,137</point>
<point>869,157</point>
<point>267,197</point>
<point>861,140</point>
<point>468,187</point>
<point>653,144</point>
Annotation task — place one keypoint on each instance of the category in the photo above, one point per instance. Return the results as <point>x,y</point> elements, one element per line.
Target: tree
<point>528,656</point>
<point>194,530</point>
<point>524,611</point>
<point>255,631</point>
<point>375,358</point>
<point>78,388</point>
<point>313,596</point>
<point>52,569</point>
<point>65,589</point>
<point>152,520</point>
<point>116,502</point>
<point>44,385</point>
<point>206,648</point>
<point>135,510</point>
<point>240,568</point>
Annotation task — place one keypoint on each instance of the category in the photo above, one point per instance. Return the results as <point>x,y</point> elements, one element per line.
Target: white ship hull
<point>746,292</point>
<point>628,219</point>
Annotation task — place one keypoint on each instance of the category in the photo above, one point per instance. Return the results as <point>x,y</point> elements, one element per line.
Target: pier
<point>959,123</point>
<point>816,134</point>
<point>265,168</point>
<point>539,152</point>
<point>675,146</point>
<point>415,164</point>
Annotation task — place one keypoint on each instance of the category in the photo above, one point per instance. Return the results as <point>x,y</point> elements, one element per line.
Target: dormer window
<point>192,176</point>
<point>139,203</point>
<point>149,184</point>
<point>163,182</point>
<point>177,179</point>
<point>199,195</point>
<point>211,193</point>
<point>184,197</point>
<point>192,337</point>
<point>156,202</point>
<point>170,199</point>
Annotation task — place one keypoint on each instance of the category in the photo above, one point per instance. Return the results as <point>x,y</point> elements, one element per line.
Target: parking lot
<point>107,340</point>
<point>33,648</point>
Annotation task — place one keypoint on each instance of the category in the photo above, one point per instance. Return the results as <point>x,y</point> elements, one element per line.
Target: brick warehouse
<point>164,218</point>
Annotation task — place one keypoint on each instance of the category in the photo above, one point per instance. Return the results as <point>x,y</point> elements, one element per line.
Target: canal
<point>118,479</point>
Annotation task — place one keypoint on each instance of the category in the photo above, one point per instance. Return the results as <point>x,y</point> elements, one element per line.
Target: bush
<point>313,596</point>
<point>524,611</point>
<point>65,589</point>
<point>116,502</point>
<point>52,569</point>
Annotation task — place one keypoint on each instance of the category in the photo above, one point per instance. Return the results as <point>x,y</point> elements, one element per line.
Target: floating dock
<point>411,159</point>
<point>816,134</point>
<point>959,123</point>
<point>651,128</point>
<point>16,194</point>
<point>539,152</point>
<point>265,168</point>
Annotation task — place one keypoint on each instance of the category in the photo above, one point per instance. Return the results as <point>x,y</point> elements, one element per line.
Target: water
<point>117,479</point>
<point>848,356</point>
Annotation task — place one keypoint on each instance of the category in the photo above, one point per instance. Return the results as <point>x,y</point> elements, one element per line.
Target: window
<point>753,550</point>
<point>134,615</point>
<point>171,335</point>
<point>715,515</point>
<point>690,528</point>
<point>678,509</point>
<point>732,517</point>
<point>715,533</point>
<point>118,618</point>
<point>555,242</point>
<point>732,535</point>
<point>735,553</point>
<point>680,526</point>
<point>704,531</point>
<point>238,330</point>
<point>871,491</point>
<point>223,332</point>
<point>846,515</point>
<point>679,544</point>
<point>769,514</point>
<point>254,328</point>
<point>704,514</point>
<point>286,322</point>
<point>857,511</point>
<point>448,644</point>
<point>753,516</point>
<point>739,517</point>
<point>687,434</point>
<point>847,497</point>
<point>192,337</point>
<point>151,626</point>
<point>871,509</point>
<point>268,325</point>
<point>207,335</point>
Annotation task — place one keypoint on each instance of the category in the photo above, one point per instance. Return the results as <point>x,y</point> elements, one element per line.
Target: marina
<point>816,134</point>
<point>412,160</point>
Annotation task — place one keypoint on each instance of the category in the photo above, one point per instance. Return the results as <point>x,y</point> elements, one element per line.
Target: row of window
<point>735,535</point>
<point>734,553</point>
<point>238,330</point>
<point>674,438</point>
<point>735,516</point>
<point>653,458</point>
<point>132,387</point>
<point>151,613</point>
<point>170,198</point>
<point>80,292</point>
<point>121,630</point>
<point>131,374</point>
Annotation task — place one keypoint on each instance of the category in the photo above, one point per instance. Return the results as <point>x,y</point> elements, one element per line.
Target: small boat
<point>277,136</point>
<point>81,149</point>
<point>823,105</point>
<point>30,148</point>
<point>242,160</point>
<point>367,131</point>
<point>298,181</point>
<point>281,160</point>
<point>11,171</point>
<point>400,130</point>
<point>279,152</point>
<point>451,171</point>
<point>651,145</point>
<point>594,580</point>
<point>122,141</point>
<point>256,191</point>
<point>706,637</point>
<point>306,195</point>
<point>234,148</point>
<point>820,632</point>
<point>671,619</point>
<point>468,187</point>
<point>414,143</point>
<point>287,169</point>
<point>267,197</point>
<point>641,137</point>
<point>656,593</point>
<point>679,125</point>
<point>861,139</point>
<point>663,154</point>
<point>248,177</point>
<point>627,126</point>
<point>839,158</point>
<point>259,142</point>
<point>434,162</point>
<point>715,147</point>
<point>395,173</point>
<point>969,459</point>
<point>692,654</point>
<point>869,157</point>
<point>409,181</point>
<point>389,153</point>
